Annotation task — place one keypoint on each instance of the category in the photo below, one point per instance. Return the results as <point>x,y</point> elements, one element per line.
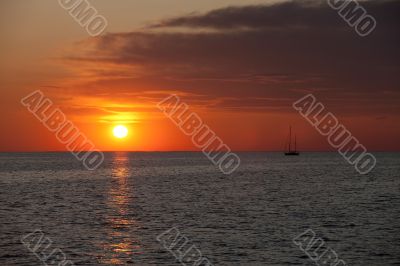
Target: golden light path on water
<point>122,245</point>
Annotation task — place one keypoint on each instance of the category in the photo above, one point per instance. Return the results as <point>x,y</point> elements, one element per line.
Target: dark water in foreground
<point>112,216</point>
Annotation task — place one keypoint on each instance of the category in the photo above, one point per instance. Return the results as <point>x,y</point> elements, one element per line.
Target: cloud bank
<point>254,58</point>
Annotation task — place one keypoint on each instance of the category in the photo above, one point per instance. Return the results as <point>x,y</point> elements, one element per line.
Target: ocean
<point>113,215</point>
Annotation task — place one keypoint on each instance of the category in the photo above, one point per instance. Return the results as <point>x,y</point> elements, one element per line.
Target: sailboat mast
<point>290,137</point>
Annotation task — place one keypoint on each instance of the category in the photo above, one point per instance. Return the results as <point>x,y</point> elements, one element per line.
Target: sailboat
<point>290,151</point>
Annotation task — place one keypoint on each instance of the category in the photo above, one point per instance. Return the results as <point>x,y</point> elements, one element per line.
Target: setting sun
<point>120,131</point>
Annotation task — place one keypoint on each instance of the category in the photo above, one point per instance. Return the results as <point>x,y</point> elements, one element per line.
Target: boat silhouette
<point>289,151</point>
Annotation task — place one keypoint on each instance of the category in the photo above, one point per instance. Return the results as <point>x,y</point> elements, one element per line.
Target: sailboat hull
<point>291,153</point>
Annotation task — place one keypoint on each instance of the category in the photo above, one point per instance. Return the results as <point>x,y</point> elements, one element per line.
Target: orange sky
<point>238,72</point>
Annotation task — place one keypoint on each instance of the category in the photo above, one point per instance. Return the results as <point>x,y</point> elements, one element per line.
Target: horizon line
<point>165,151</point>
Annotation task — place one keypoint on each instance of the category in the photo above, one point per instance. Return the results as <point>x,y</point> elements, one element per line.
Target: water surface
<point>113,215</point>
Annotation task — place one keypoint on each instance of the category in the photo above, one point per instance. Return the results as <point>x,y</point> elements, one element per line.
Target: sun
<point>120,131</point>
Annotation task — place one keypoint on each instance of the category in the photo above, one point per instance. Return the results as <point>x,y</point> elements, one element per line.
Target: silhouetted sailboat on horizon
<point>290,151</point>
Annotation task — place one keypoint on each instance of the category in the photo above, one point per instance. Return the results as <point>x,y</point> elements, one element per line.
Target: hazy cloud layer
<point>256,57</point>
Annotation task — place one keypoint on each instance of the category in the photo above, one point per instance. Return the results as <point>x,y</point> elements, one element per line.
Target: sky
<point>238,64</point>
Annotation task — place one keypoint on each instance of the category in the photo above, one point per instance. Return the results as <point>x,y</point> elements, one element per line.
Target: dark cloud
<point>287,15</point>
<point>258,52</point>
<point>284,15</point>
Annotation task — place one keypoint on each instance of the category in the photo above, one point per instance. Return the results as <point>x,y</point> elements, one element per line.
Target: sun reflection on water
<point>121,245</point>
